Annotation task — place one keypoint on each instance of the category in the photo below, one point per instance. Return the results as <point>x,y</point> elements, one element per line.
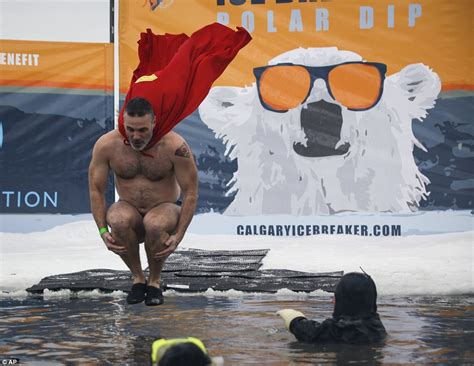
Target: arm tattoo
<point>183,151</point>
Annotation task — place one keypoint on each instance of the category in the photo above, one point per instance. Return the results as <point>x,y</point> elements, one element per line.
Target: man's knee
<point>155,227</point>
<point>120,220</point>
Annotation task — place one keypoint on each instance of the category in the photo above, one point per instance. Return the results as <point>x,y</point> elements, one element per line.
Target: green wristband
<point>103,230</point>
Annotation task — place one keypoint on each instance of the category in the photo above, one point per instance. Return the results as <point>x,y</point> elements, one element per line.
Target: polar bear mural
<point>321,131</point>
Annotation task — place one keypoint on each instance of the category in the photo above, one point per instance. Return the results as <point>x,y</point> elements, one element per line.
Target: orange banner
<point>56,65</point>
<point>56,101</point>
<point>398,33</point>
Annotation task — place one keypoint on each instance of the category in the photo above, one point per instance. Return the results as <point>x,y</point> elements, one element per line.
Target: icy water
<point>92,329</point>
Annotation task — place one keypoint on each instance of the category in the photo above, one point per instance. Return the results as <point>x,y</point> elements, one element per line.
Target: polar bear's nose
<point>319,84</point>
<point>319,91</point>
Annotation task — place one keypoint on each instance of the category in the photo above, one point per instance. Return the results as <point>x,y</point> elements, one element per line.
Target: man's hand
<point>171,245</point>
<point>111,245</point>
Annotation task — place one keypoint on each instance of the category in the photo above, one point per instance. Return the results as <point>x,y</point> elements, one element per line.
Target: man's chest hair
<point>131,164</point>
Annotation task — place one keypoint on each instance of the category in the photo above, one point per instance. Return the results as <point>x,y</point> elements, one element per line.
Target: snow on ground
<point>415,264</point>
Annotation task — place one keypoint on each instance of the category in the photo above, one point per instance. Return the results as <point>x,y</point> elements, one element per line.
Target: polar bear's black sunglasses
<point>358,86</point>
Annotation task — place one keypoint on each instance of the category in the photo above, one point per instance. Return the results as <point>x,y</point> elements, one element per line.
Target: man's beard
<point>138,145</point>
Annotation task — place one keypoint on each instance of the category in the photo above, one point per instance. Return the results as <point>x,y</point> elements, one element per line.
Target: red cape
<point>185,68</point>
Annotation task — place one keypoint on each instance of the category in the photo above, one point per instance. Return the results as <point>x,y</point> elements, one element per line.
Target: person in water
<point>354,320</point>
<point>188,351</point>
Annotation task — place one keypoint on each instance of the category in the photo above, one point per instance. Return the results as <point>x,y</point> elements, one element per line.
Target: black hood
<point>356,296</point>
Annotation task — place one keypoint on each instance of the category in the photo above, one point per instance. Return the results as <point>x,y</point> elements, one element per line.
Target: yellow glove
<point>288,315</point>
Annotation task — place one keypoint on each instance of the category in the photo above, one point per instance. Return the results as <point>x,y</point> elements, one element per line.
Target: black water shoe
<point>154,296</point>
<point>137,293</point>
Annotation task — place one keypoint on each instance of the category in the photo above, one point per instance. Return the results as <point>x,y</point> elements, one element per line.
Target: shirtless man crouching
<point>149,182</point>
